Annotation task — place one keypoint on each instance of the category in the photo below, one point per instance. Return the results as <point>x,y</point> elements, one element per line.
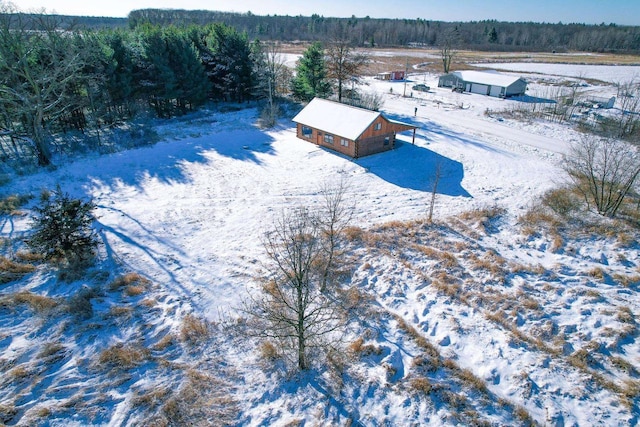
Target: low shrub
<point>562,201</point>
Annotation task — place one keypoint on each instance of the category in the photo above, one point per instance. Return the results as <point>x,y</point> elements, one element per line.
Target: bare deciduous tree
<point>447,47</point>
<point>292,309</point>
<point>38,73</point>
<point>335,216</point>
<point>343,63</point>
<point>604,171</point>
<point>272,76</point>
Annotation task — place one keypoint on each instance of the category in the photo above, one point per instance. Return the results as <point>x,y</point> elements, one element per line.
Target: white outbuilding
<point>488,82</point>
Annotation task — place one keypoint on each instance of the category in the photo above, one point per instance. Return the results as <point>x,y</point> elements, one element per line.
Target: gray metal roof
<point>491,78</point>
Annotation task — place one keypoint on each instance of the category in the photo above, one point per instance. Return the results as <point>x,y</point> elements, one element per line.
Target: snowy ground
<point>510,316</point>
<point>606,73</point>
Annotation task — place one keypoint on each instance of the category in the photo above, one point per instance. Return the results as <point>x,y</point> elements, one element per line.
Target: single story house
<point>390,75</point>
<point>352,131</point>
<point>489,83</point>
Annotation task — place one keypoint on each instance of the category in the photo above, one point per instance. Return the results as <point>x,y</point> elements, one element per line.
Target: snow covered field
<point>606,73</point>
<point>511,316</point>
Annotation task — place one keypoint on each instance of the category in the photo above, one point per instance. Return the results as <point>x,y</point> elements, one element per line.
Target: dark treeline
<point>68,22</point>
<point>478,35</point>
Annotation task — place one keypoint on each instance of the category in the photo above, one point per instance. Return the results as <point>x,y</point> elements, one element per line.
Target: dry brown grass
<point>134,290</point>
<point>51,350</point>
<point>446,286</point>
<point>421,385</point>
<point>630,392</point>
<point>120,312</point>
<point>472,380</point>
<point>517,268</point>
<point>490,261</point>
<point>359,349</point>
<point>9,205</point>
<point>20,372</point>
<point>268,351</point>
<point>537,219</point>
<point>194,330</point>
<point>625,315</point>
<point>626,280</point>
<point>7,412</point>
<point>482,217</point>
<point>203,398</point>
<point>11,270</point>
<point>165,342</point>
<point>29,257</point>
<point>151,398</point>
<point>353,233</point>
<point>123,356</point>
<point>133,283</point>
<point>624,365</point>
<point>39,303</point>
<point>597,273</point>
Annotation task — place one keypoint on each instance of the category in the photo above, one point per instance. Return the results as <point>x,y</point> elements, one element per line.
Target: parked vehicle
<point>421,88</point>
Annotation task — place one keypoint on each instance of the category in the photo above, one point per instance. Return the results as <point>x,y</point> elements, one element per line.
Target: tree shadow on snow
<point>168,161</point>
<point>413,167</point>
<point>532,99</point>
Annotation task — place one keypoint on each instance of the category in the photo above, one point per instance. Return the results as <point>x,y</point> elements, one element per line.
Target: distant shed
<point>489,83</point>
<point>352,131</point>
<point>391,75</point>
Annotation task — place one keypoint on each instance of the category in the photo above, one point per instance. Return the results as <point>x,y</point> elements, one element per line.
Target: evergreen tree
<point>158,78</point>
<point>191,81</point>
<point>311,75</point>
<point>63,228</point>
<point>120,69</point>
<point>493,35</point>
<point>230,69</point>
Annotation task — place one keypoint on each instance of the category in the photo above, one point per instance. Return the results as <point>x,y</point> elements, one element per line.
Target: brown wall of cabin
<point>375,144</point>
<point>370,142</point>
<point>317,137</point>
<point>385,128</point>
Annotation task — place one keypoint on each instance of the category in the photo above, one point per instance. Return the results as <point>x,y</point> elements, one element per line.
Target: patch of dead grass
<point>11,270</point>
<point>194,329</point>
<point>123,356</point>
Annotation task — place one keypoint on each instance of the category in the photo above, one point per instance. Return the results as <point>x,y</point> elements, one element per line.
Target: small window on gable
<point>328,138</point>
<point>344,142</point>
<point>307,132</point>
<point>377,126</point>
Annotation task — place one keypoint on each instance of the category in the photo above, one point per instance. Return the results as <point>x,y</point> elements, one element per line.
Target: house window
<point>344,142</point>
<point>328,138</point>
<point>378,126</point>
<point>386,140</point>
<point>307,131</point>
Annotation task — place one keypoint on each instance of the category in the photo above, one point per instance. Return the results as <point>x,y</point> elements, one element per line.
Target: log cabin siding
<point>317,137</point>
<point>375,144</point>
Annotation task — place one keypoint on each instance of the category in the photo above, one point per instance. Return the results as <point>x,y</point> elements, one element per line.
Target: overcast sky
<point>624,12</point>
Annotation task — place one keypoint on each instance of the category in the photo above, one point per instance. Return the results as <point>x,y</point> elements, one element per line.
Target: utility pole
<point>406,68</point>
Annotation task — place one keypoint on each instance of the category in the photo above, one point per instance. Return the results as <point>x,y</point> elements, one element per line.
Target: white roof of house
<point>491,78</point>
<point>335,118</point>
